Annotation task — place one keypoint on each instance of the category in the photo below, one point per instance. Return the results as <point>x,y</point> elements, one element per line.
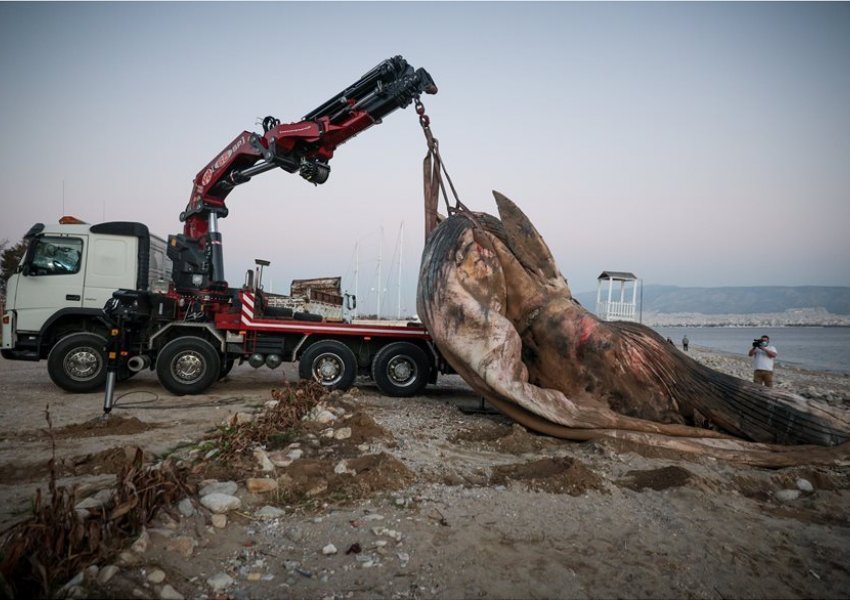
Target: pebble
<point>76,592</point>
<point>263,459</point>
<point>140,546</point>
<point>127,559</point>
<point>324,417</point>
<point>329,549</point>
<point>269,512</point>
<point>221,503</point>
<point>91,572</point>
<point>160,532</point>
<point>169,593</point>
<point>219,487</point>
<point>804,485</point>
<point>787,495</point>
<point>219,581</point>
<point>105,495</point>
<point>186,508</point>
<point>242,418</point>
<point>75,581</point>
<point>163,519</point>
<point>219,521</point>
<point>82,514</point>
<point>106,573</point>
<point>316,490</point>
<point>291,565</point>
<point>384,532</point>
<point>343,433</point>
<point>342,467</point>
<point>156,576</point>
<point>87,503</point>
<point>280,458</point>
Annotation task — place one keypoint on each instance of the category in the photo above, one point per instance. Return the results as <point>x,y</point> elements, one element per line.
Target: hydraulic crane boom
<point>304,147</point>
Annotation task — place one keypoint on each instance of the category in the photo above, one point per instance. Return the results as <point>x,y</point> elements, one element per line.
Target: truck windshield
<point>56,256</point>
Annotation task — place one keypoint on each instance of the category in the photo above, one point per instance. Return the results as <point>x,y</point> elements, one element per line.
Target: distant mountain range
<point>666,299</point>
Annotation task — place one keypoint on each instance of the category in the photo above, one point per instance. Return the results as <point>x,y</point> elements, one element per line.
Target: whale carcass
<point>503,317</point>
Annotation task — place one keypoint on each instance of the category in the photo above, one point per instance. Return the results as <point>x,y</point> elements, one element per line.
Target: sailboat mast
<point>356,274</point>
<point>380,256</point>
<point>400,250</point>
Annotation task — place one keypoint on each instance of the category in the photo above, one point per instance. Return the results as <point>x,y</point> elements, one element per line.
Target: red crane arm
<point>304,147</point>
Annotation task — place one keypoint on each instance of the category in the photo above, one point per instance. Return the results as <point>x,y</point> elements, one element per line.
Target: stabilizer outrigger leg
<point>121,312</point>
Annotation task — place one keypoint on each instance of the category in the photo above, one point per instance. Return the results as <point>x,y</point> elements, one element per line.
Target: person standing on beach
<point>763,354</point>
<point>685,343</point>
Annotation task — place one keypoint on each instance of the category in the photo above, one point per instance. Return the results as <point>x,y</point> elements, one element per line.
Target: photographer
<point>763,354</point>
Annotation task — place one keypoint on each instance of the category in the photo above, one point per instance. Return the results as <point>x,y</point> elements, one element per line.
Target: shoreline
<point>811,348</point>
<point>755,325</point>
<point>830,386</point>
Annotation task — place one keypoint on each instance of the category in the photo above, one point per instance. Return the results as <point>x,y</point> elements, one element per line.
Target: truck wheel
<point>226,367</point>
<point>401,369</point>
<point>77,363</point>
<point>188,365</point>
<point>331,363</point>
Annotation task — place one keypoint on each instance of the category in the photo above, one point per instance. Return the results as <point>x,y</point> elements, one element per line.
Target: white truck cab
<point>66,276</point>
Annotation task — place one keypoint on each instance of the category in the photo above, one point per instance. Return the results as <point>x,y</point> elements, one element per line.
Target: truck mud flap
<point>10,354</point>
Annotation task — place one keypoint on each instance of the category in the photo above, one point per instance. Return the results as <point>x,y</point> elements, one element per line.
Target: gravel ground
<point>430,498</point>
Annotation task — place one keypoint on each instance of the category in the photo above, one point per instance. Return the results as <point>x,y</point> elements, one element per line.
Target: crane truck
<point>112,298</point>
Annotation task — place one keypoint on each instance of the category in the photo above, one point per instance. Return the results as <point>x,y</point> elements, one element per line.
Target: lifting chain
<point>433,171</point>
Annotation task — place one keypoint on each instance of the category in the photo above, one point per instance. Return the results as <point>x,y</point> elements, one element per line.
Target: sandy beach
<point>430,497</point>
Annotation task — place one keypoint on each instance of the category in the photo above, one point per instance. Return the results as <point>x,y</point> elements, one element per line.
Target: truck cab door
<point>50,278</point>
<point>112,264</point>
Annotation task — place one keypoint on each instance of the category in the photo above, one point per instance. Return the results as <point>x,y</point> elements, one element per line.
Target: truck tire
<point>77,363</point>
<point>188,365</point>
<point>401,369</point>
<point>331,363</point>
<point>226,367</point>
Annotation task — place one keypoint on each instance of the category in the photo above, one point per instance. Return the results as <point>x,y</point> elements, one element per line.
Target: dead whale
<point>503,316</point>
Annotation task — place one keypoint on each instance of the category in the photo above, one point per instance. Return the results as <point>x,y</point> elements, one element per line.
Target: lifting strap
<point>433,171</point>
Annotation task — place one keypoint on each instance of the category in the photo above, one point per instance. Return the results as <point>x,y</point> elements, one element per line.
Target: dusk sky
<point>693,144</point>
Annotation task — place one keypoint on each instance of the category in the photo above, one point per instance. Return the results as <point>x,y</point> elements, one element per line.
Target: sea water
<point>818,348</point>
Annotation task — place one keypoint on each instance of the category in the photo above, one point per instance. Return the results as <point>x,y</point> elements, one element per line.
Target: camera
<point>757,343</point>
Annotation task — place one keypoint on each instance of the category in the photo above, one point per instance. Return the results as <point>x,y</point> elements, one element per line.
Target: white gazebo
<point>617,308</point>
